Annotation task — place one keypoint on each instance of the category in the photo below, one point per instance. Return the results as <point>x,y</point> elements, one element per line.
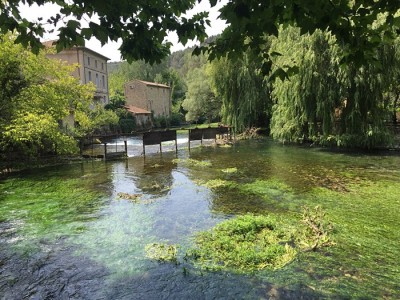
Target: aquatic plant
<point>47,209</point>
<point>229,170</point>
<point>315,231</point>
<point>225,145</point>
<point>245,243</point>
<point>254,242</point>
<point>215,183</point>
<point>162,252</point>
<point>270,189</point>
<point>132,197</point>
<point>192,162</point>
<point>156,187</point>
<point>156,166</point>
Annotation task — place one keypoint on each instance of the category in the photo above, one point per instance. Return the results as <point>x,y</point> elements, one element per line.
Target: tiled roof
<point>136,110</point>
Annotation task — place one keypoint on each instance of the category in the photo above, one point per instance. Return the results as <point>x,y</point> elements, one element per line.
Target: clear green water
<point>65,232</point>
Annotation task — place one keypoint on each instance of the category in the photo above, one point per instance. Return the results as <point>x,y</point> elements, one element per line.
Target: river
<point>65,232</point>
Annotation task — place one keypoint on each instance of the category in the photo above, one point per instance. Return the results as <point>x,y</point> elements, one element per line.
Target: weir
<point>156,137</point>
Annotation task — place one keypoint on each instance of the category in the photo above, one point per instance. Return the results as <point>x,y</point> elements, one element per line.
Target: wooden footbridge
<point>157,137</point>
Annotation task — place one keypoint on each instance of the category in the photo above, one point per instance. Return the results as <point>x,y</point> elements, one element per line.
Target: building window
<point>102,66</point>
<point>90,76</point>
<point>104,82</point>
<point>95,63</point>
<point>97,80</point>
<point>88,61</point>
<point>105,99</point>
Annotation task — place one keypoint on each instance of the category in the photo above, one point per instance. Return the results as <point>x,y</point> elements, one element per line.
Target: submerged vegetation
<point>192,162</point>
<point>162,252</point>
<point>215,183</point>
<point>347,250</point>
<point>229,170</point>
<point>245,243</point>
<point>316,230</point>
<point>252,242</point>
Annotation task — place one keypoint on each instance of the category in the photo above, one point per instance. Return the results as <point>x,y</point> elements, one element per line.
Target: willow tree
<point>244,93</point>
<point>305,103</point>
<point>326,101</point>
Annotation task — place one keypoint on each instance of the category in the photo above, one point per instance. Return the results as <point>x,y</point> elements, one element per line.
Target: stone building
<point>150,96</point>
<point>142,116</point>
<point>92,67</point>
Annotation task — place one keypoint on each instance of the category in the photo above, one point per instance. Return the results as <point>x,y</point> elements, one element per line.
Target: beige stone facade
<point>153,97</point>
<point>91,67</point>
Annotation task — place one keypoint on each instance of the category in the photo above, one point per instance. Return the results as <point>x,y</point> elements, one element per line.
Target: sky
<point>110,50</point>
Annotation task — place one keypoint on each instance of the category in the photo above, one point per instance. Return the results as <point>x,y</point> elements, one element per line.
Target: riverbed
<point>66,233</point>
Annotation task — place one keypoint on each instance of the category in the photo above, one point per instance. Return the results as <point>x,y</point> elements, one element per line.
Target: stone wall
<point>149,96</point>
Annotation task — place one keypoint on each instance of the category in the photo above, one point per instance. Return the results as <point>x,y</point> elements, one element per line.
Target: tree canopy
<point>143,25</point>
<point>37,96</point>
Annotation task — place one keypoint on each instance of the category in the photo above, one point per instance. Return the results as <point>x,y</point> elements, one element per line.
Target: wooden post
<point>176,145</point>
<point>105,151</point>
<point>126,148</point>
<point>80,147</point>
<point>144,148</point>
<point>189,138</point>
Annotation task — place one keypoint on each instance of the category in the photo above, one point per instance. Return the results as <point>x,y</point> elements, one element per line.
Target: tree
<point>38,95</point>
<point>306,102</point>
<point>244,93</point>
<point>351,22</point>
<point>143,25</point>
<point>95,119</point>
<point>124,72</point>
<point>12,78</point>
<point>171,78</point>
<point>200,102</point>
<point>326,102</point>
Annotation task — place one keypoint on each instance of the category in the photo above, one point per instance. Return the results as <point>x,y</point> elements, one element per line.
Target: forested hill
<point>180,61</point>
